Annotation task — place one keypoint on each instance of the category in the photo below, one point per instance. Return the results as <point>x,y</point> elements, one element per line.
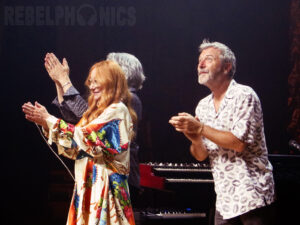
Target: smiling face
<point>94,85</point>
<point>209,66</point>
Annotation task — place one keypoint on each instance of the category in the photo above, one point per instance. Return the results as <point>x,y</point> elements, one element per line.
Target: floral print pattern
<point>101,154</point>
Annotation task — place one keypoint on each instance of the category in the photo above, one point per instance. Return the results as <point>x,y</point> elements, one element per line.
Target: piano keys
<point>177,192</point>
<point>158,175</point>
<point>188,193</point>
<point>180,215</point>
<point>187,181</point>
<point>173,217</point>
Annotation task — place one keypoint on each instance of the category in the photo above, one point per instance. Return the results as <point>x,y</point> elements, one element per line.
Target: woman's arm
<point>55,129</point>
<point>36,113</point>
<point>108,134</point>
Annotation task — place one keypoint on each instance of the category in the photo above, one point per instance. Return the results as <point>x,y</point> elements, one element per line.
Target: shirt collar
<point>229,92</point>
<point>230,89</point>
<point>228,95</point>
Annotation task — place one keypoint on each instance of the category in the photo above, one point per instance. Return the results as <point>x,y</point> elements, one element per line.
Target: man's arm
<point>194,130</point>
<point>73,106</point>
<point>70,103</point>
<point>59,73</point>
<point>60,93</point>
<point>197,148</point>
<point>224,139</point>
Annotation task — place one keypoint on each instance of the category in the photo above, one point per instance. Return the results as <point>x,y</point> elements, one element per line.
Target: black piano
<point>183,193</point>
<point>176,193</point>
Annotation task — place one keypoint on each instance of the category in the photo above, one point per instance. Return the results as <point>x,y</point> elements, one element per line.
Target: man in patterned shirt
<point>228,128</point>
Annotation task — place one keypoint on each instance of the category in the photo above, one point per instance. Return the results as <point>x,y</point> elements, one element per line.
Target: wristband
<point>66,84</point>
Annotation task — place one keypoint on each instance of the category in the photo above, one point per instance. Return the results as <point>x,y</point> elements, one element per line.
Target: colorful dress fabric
<point>101,153</point>
<point>72,108</point>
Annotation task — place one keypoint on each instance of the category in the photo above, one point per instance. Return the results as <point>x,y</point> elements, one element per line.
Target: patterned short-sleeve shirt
<point>243,181</point>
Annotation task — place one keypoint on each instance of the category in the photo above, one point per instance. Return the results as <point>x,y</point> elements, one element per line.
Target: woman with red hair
<point>99,144</point>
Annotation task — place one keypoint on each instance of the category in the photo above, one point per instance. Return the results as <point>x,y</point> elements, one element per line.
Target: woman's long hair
<point>114,89</point>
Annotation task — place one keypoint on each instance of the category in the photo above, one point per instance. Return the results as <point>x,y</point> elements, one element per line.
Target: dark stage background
<point>165,36</point>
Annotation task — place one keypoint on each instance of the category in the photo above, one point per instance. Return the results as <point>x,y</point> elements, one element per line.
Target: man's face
<point>209,66</point>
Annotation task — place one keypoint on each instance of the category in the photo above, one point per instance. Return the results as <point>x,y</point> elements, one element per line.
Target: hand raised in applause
<point>59,72</point>
<point>190,126</point>
<point>36,113</point>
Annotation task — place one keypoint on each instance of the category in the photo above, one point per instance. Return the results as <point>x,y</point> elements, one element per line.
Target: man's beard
<point>209,76</point>
<point>204,78</point>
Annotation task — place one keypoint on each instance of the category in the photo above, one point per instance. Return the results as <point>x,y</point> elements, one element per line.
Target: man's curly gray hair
<point>226,53</point>
<point>132,68</point>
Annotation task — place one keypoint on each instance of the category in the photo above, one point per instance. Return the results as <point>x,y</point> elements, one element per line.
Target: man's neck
<point>219,89</point>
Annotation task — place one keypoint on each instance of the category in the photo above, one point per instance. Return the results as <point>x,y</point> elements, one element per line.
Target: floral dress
<point>101,153</point>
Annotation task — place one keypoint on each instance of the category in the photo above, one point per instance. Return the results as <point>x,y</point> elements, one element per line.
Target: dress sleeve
<point>248,118</point>
<point>108,134</point>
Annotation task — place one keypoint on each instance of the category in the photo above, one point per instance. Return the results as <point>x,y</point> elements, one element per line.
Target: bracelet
<point>201,128</point>
<point>66,84</point>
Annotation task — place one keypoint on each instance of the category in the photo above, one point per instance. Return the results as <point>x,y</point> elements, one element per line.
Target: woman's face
<point>94,86</point>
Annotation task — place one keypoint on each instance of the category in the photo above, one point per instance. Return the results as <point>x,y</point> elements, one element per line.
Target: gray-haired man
<point>228,128</point>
